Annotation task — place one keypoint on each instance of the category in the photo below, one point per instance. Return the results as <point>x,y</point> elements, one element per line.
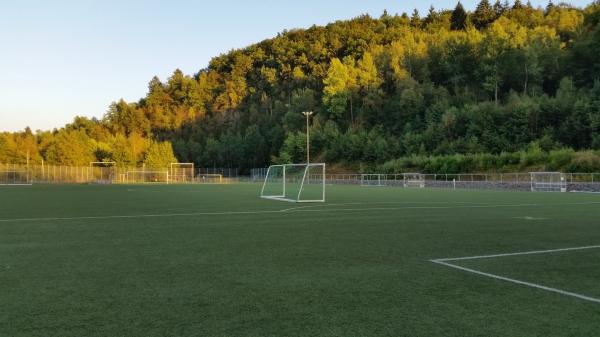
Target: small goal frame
<point>559,184</point>
<point>209,178</point>
<point>414,179</point>
<point>4,178</point>
<point>102,164</point>
<point>128,173</point>
<point>305,179</point>
<point>185,171</point>
<point>380,180</point>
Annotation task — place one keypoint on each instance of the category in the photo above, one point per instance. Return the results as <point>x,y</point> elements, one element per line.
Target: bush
<point>585,162</point>
<point>565,160</point>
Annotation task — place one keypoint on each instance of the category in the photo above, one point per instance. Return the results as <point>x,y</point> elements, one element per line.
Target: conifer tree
<point>458,18</point>
<point>483,15</point>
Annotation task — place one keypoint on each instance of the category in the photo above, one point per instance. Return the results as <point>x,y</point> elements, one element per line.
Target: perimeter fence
<point>19,174</point>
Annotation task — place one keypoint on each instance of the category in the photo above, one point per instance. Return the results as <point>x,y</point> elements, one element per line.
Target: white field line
<point>292,210</point>
<point>444,261</point>
<point>386,203</point>
<point>528,284</point>
<point>517,253</point>
<point>530,218</point>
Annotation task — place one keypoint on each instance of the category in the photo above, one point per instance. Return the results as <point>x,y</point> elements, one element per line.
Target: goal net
<point>181,172</point>
<point>15,177</point>
<point>373,180</point>
<point>143,177</point>
<point>295,183</point>
<point>102,172</point>
<point>209,178</point>
<point>548,182</point>
<point>414,180</point>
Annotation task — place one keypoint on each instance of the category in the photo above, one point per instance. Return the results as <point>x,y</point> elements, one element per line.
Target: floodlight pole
<point>307,114</point>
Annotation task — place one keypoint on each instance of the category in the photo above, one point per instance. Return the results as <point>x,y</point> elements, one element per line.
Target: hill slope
<point>491,81</point>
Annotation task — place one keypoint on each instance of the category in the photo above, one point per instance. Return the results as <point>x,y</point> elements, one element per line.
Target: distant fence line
<point>584,182</point>
<point>62,174</point>
<point>521,177</point>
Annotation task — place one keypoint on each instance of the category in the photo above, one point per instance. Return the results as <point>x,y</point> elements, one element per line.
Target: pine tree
<point>432,16</point>
<point>458,18</point>
<point>499,8</point>
<point>415,19</point>
<point>549,7</point>
<point>483,15</point>
<point>517,5</point>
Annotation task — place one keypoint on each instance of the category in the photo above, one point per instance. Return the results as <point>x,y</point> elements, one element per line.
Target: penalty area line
<point>445,262</point>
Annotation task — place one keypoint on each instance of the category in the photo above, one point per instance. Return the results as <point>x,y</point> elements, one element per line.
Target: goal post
<point>548,182</point>
<point>414,180</point>
<point>147,177</point>
<point>295,183</point>
<point>209,178</point>
<point>102,172</point>
<point>17,177</point>
<point>371,179</point>
<point>181,172</point>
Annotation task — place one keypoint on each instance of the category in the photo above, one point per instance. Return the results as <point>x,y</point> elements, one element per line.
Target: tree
<point>458,18</point>
<point>160,155</point>
<point>380,87</point>
<point>70,148</point>
<point>335,91</point>
<point>432,16</point>
<point>550,7</point>
<point>415,19</point>
<point>499,8</point>
<point>517,5</point>
<point>483,15</point>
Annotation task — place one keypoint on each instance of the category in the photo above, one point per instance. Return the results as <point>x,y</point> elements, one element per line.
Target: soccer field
<point>216,260</point>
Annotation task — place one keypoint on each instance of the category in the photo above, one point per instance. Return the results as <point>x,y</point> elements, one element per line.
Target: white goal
<point>373,180</point>
<point>15,177</point>
<point>101,172</point>
<point>548,182</point>
<point>181,172</point>
<point>144,177</point>
<point>414,180</point>
<point>209,178</point>
<point>295,183</point>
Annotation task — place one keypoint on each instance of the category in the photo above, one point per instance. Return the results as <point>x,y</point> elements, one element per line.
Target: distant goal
<point>181,172</point>
<point>548,182</point>
<point>102,172</point>
<point>209,179</point>
<point>370,179</point>
<point>147,177</point>
<point>295,183</point>
<point>15,178</point>
<point>415,180</point>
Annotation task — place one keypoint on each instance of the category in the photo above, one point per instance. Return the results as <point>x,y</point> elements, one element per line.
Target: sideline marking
<point>384,203</point>
<point>445,262</point>
<point>294,210</point>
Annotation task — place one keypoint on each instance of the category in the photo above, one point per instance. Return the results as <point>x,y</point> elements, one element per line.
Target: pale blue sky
<point>59,59</point>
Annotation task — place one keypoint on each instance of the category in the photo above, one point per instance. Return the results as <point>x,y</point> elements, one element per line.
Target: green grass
<point>216,260</point>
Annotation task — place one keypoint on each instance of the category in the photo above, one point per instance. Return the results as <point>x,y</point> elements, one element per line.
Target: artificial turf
<point>216,260</point>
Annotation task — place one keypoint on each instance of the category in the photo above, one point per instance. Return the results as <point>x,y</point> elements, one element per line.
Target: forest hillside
<point>502,87</point>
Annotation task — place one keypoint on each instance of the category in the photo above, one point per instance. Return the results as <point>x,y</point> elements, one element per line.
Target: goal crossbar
<point>548,182</point>
<point>15,178</point>
<point>285,178</point>
<point>144,174</point>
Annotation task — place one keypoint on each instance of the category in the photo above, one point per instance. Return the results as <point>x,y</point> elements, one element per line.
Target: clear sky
<point>59,59</point>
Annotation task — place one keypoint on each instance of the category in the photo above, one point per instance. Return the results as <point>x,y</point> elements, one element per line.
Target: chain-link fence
<point>583,182</point>
<point>19,174</point>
